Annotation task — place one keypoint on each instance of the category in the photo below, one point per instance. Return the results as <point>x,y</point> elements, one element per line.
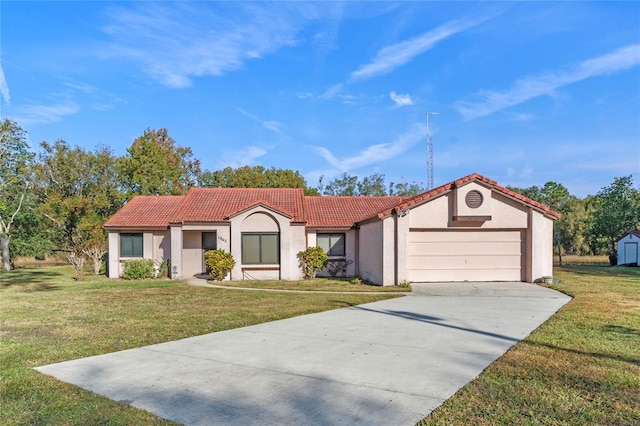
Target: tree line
<point>59,197</point>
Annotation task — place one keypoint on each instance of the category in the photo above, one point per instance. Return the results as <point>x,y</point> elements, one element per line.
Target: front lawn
<point>47,317</point>
<point>580,367</point>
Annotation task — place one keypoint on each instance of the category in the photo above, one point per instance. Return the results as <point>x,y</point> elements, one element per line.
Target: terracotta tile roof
<point>343,212</point>
<point>477,177</point>
<point>218,204</point>
<point>146,211</point>
<point>214,205</point>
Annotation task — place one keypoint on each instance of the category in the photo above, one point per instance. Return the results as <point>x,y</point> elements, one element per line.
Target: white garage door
<point>459,255</point>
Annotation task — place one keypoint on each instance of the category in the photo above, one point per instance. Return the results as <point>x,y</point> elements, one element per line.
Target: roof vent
<point>473,199</point>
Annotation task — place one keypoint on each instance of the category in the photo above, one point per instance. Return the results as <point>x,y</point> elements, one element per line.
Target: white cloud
<point>332,91</point>
<point>271,125</point>
<point>401,100</point>
<point>174,42</point>
<point>4,88</point>
<point>374,153</point>
<point>42,114</point>
<point>522,116</point>
<point>242,157</point>
<point>390,57</point>
<point>545,84</point>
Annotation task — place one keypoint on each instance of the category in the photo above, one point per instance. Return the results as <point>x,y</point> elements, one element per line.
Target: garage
<point>466,255</point>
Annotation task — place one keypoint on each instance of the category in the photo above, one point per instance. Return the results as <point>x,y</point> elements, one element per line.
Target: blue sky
<point>527,92</point>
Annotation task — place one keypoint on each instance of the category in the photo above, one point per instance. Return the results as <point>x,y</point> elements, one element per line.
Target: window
<point>131,245</point>
<point>332,244</point>
<point>260,248</point>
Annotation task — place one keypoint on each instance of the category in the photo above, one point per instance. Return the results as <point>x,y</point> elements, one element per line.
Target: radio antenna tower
<point>430,153</point>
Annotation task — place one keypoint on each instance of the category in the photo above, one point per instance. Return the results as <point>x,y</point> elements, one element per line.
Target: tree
<point>77,190</point>
<point>255,177</point>
<point>372,185</point>
<point>345,185</point>
<point>405,189</point>
<point>617,211</point>
<point>574,226</point>
<point>15,177</point>
<point>155,165</point>
<point>106,199</point>
<point>556,196</point>
<point>31,234</point>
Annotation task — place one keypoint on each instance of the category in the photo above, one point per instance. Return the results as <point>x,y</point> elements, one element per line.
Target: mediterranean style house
<point>470,229</point>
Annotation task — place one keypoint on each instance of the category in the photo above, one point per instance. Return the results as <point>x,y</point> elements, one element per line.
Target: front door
<point>209,242</point>
<point>630,253</point>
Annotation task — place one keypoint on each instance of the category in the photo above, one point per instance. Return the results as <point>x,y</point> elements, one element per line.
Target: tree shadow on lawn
<point>30,279</point>
<point>611,356</point>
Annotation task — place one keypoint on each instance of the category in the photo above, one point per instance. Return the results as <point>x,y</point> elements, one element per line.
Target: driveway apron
<point>384,363</point>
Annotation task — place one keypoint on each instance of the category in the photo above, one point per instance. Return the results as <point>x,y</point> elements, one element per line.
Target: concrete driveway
<point>385,363</point>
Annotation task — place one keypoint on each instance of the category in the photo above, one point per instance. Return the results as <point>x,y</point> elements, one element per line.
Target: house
<point>628,253</point>
<point>470,229</point>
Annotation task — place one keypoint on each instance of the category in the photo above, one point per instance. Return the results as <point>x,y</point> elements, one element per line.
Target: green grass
<point>317,284</point>
<point>580,367</point>
<point>47,317</point>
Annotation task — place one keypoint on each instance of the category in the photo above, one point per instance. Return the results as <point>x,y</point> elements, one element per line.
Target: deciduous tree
<point>373,185</point>
<point>77,190</point>
<point>405,189</point>
<point>617,211</point>
<point>556,196</point>
<point>255,177</point>
<point>155,165</point>
<point>345,185</point>
<point>16,162</point>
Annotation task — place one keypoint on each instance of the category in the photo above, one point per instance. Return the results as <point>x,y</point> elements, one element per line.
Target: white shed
<point>628,253</point>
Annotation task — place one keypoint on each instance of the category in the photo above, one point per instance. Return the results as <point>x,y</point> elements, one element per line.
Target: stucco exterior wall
<point>438,214</point>
<point>152,248</point>
<point>371,252</point>
<point>291,239</point>
<point>114,254</point>
<point>191,253</point>
<point>298,243</point>
<point>541,263</point>
<point>388,251</point>
<point>460,206</point>
<point>403,222</point>
<point>350,249</point>
<point>176,251</point>
<point>161,245</point>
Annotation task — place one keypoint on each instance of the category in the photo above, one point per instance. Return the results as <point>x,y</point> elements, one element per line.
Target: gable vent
<point>473,199</point>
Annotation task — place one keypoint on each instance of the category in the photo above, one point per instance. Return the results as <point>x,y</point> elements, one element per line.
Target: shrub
<point>218,262</point>
<point>338,266</point>
<point>163,268</point>
<point>312,260</point>
<point>139,269</point>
